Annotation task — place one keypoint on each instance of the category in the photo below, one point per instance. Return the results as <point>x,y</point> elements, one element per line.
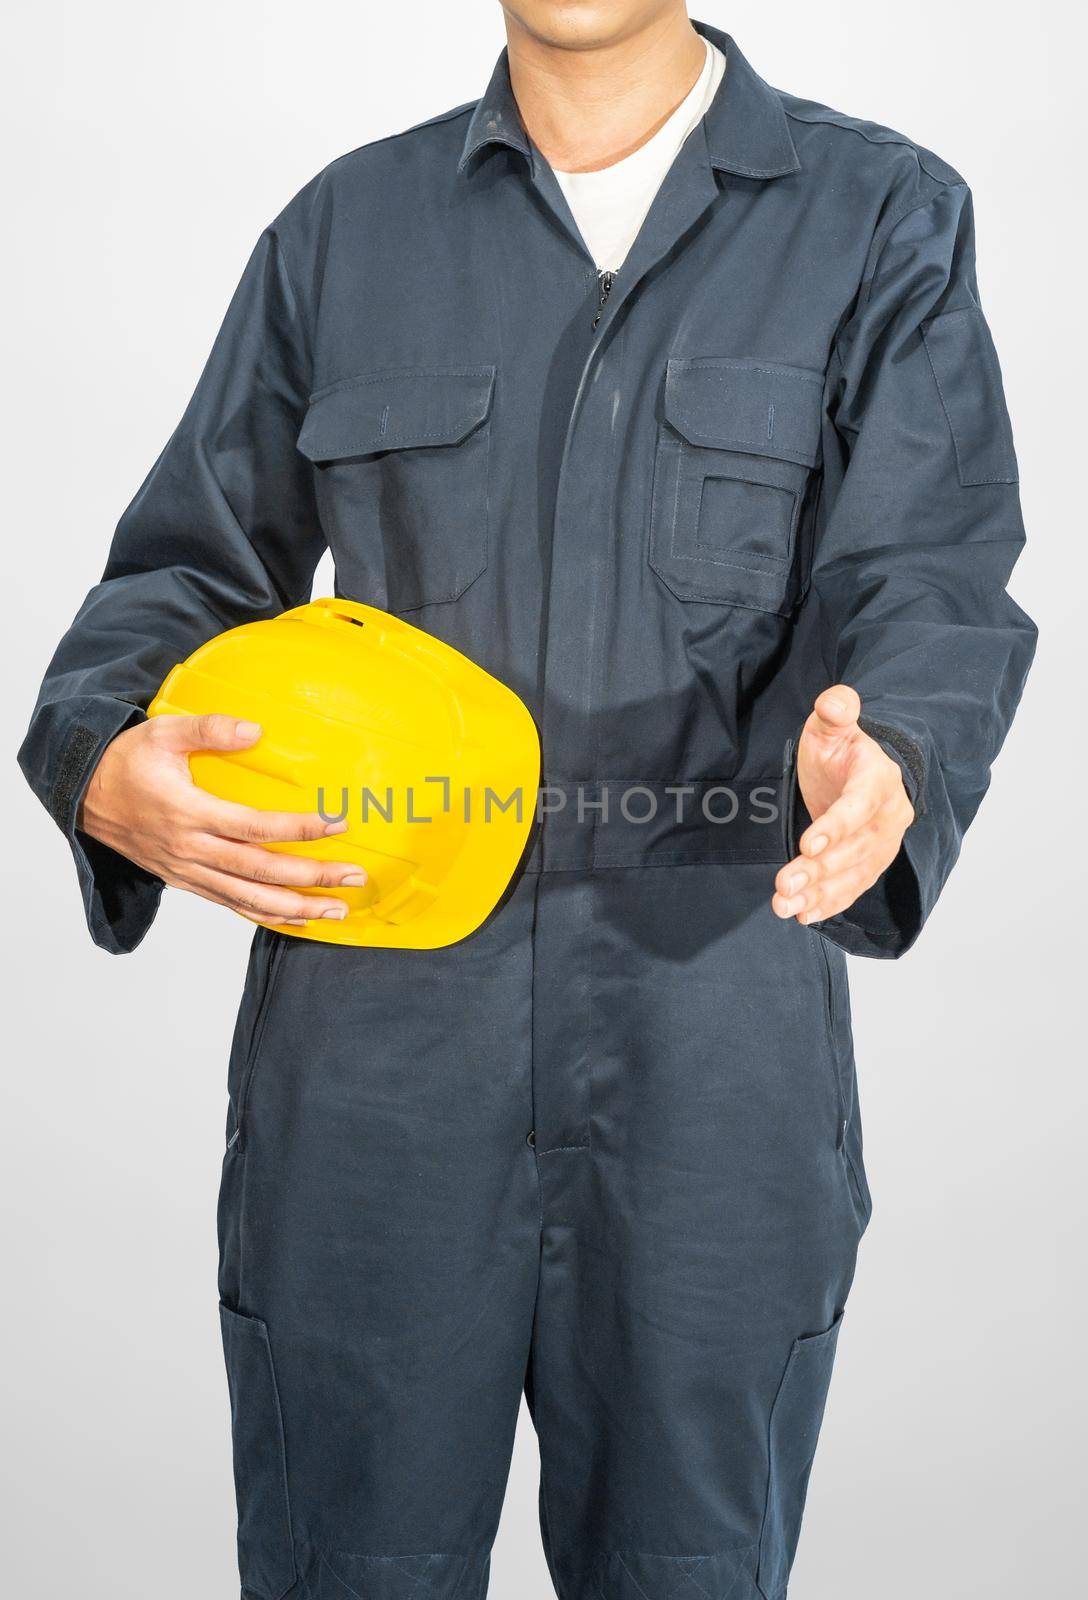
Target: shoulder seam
<point>877,250</point>
<point>402,133</point>
<point>919,205</point>
<point>277,235</point>
<point>849,125</point>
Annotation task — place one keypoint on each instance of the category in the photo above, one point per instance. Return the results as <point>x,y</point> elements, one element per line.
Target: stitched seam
<point>304,321</point>
<point>965,481</point>
<point>770,1466</point>
<point>445,599</point>
<point>772,778</point>
<point>255,1327</point>
<point>275,962</point>
<point>944,408</point>
<point>460,586</point>
<point>387,138</point>
<point>860,1189</point>
<point>900,140</point>
<point>411,1555</point>
<point>781,561</point>
<point>676,499</point>
<point>721,561</point>
<point>358,381</point>
<point>874,935</point>
<point>741,856</point>
<point>657,534</point>
<point>755,172</point>
<point>689,1576</point>
<point>876,252</point>
<point>429,1562</point>
<point>781,610</point>
<point>631,1575</point>
<point>739,443</point>
<point>394,441</point>
<point>337,1578</point>
<point>689,1565</point>
<point>742,364</point>
<point>823,958</point>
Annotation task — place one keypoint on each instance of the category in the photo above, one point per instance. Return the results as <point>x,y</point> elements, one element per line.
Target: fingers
<point>228,820</point>
<point>212,731</point>
<point>835,712</point>
<point>260,902</point>
<point>193,807</point>
<point>822,889</point>
<point>846,849</point>
<point>859,802</point>
<point>142,801</point>
<point>806,873</point>
<point>815,886</point>
<point>258,865</point>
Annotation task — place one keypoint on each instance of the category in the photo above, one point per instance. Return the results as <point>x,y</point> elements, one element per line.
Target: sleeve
<point>223,530</point>
<point>918,531</point>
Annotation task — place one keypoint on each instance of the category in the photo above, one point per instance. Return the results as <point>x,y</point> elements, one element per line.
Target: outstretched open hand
<point>855,795</point>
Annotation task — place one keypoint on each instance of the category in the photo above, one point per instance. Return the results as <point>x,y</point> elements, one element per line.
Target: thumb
<point>209,732</point>
<point>835,712</point>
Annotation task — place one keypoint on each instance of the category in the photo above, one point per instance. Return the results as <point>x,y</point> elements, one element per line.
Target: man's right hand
<point>142,802</point>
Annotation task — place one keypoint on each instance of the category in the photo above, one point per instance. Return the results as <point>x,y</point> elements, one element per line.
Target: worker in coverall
<point>735,520</point>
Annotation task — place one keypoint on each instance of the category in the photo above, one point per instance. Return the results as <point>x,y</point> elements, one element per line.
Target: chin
<point>584,24</point>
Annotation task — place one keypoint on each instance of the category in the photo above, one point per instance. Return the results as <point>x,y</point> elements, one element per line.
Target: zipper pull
<point>604,284</point>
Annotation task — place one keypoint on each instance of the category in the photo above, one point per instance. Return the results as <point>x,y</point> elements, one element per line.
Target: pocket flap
<point>968,376</point>
<point>396,410</point>
<point>759,407</point>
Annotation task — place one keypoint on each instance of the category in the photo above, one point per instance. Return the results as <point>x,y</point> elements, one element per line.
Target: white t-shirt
<point>610,206</point>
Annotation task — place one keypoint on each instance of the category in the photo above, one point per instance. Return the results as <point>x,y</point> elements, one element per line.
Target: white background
<point>144,148</point>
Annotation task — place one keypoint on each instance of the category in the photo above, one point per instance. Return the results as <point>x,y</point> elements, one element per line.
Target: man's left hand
<point>855,795</point>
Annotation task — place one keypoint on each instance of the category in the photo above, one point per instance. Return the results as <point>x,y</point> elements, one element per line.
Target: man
<point>667,398</point>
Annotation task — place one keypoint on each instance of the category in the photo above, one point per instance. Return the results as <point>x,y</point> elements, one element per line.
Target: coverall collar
<point>746,129</point>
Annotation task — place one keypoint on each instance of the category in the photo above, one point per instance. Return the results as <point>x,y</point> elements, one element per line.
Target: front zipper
<point>236,1141</point>
<point>605,279</point>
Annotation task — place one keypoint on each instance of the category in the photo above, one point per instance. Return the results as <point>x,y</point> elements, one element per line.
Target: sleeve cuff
<point>120,899</point>
<point>886,920</point>
<point>906,755</point>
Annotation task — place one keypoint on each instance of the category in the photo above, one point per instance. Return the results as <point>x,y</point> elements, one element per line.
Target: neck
<point>587,108</point>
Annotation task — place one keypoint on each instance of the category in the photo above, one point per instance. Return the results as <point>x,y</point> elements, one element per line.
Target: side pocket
<point>796,1416</point>
<point>842,1099</point>
<point>266,960</point>
<point>266,1557</point>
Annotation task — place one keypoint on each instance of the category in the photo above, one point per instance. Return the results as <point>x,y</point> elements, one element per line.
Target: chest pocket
<point>732,477</point>
<point>402,464</point>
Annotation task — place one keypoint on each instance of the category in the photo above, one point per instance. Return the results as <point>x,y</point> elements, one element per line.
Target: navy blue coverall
<point>608,1147</point>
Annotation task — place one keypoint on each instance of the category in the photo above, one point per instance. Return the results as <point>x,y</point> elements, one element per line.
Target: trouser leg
<point>700,1224</point>
<point>380,1233</point>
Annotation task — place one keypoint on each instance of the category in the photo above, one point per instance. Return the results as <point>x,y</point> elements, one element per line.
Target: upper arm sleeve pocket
<point>965,367</point>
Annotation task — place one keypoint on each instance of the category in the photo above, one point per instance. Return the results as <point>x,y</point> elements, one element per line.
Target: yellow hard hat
<point>433,763</point>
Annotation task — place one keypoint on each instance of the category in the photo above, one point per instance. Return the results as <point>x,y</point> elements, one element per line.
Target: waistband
<point>592,825</point>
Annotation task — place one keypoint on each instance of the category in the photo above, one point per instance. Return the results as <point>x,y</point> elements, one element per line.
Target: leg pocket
<point>266,1559</point>
<point>795,1426</point>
